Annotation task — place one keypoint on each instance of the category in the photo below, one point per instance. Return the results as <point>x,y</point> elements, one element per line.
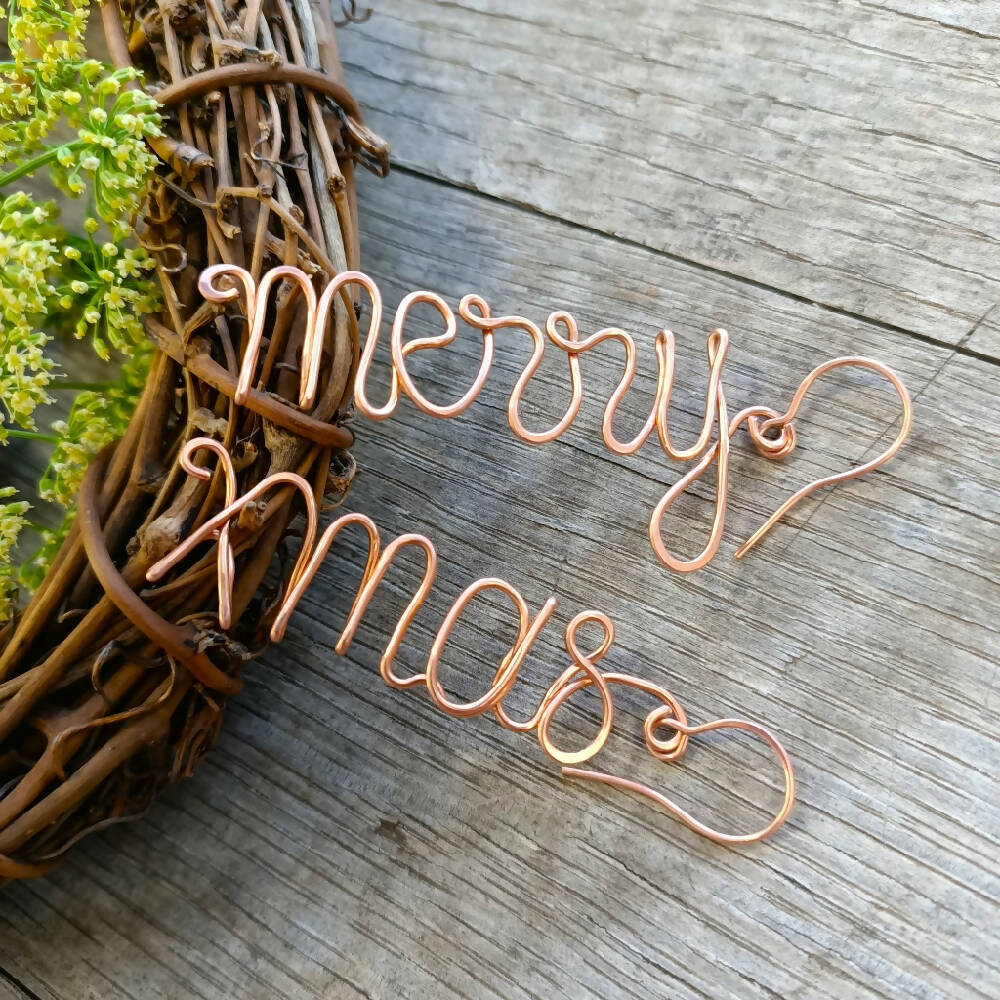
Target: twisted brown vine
<point>108,692</point>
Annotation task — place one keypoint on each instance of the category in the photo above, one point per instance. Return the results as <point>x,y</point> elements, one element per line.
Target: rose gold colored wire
<point>225,560</point>
<point>784,423</point>
<point>475,311</point>
<point>506,675</point>
<point>401,351</point>
<point>759,420</point>
<point>256,313</point>
<point>562,331</point>
<point>627,784</point>
<point>367,592</point>
<point>216,527</point>
<point>582,672</point>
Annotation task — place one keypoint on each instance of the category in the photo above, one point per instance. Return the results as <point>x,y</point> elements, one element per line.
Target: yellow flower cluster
<point>110,151</point>
<point>11,523</point>
<point>28,261</point>
<point>47,72</point>
<point>109,154</point>
<point>105,289</point>
<point>90,284</point>
<point>45,35</point>
<point>96,419</point>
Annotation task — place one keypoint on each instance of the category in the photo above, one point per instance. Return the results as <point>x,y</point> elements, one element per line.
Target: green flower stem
<point>29,166</point>
<point>32,436</point>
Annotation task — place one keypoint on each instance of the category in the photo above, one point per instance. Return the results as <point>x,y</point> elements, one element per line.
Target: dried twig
<point>110,690</point>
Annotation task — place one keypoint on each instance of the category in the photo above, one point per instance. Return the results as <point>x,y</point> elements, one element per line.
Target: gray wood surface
<point>349,841</point>
<point>11,989</point>
<point>845,152</point>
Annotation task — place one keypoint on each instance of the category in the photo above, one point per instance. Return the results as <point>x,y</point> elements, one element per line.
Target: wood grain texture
<point>348,841</point>
<point>844,152</point>
<point>11,989</point>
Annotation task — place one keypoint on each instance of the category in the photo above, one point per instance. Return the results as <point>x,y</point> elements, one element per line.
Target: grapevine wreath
<point>220,132</point>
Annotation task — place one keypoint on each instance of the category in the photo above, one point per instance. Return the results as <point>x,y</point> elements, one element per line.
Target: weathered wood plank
<point>11,989</point>
<point>348,841</point>
<point>844,152</point>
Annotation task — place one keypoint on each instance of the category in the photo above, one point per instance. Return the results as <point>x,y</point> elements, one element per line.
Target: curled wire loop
<point>256,312</point>
<point>582,672</point>
<point>225,558</point>
<point>562,332</point>
<point>759,421</point>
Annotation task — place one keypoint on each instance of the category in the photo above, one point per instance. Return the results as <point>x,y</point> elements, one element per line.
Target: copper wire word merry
<point>772,433</point>
<point>667,716</point>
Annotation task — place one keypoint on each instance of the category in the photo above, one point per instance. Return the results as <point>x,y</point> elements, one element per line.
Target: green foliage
<point>11,523</point>
<point>28,265</point>
<point>89,284</point>
<point>97,418</point>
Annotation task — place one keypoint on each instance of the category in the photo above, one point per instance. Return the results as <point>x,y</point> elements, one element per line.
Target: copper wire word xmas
<point>666,729</point>
<point>772,433</point>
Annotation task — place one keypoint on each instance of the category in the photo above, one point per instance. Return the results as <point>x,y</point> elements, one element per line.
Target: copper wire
<point>562,331</point>
<point>581,673</point>
<point>771,432</point>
